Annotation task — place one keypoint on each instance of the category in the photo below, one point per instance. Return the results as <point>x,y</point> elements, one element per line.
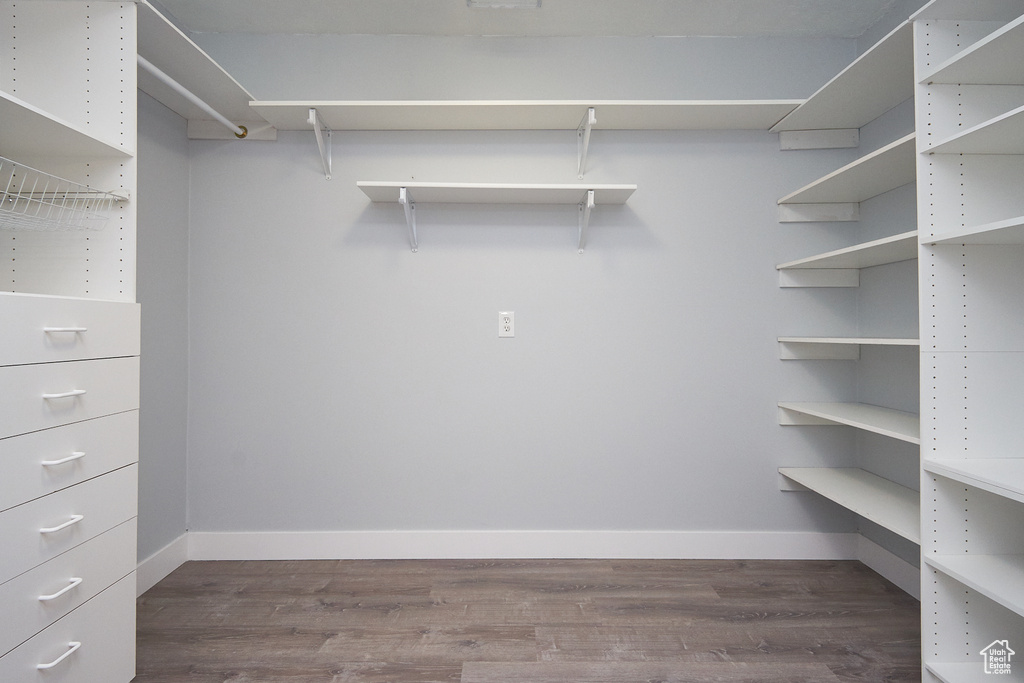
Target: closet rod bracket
<point>584,210</point>
<point>321,130</point>
<point>405,199</point>
<point>583,139</point>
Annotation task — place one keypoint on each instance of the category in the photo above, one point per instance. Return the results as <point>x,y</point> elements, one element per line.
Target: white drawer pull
<point>75,580</point>
<point>75,519</point>
<point>72,646</point>
<point>66,394</point>
<point>49,330</point>
<point>74,456</point>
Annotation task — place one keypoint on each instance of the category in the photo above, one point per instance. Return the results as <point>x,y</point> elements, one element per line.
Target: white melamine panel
<point>997,577</point>
<point>974,10</point>
<point>833,348</point>
<point>84,571</point>
<point>1003,134</point>
<point>996,59</point>
<point>105,628</point>
<point>30,131</point>
<point>885,421</point>
<point>101,504</point>
<point>885,169</point>
<point>1009,231</point>
<point>879,252</point>
<point>79,390</point>
<point>39,463</point>
<point>40,329</point>
<point>529,114</point>
<point>496,193</point>
<point>1002,476</point>
<point>876,82</point>
<point>882,501</point>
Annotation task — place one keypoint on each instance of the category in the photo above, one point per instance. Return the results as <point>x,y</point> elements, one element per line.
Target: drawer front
<point>39,597</point>
<point>38,531</point>
<point>41,329</point>
<point>37,397</point>
<point>37,464</point>
<point>104,631</point>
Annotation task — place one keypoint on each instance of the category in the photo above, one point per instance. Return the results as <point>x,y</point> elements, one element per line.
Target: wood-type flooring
<point>529,621</point>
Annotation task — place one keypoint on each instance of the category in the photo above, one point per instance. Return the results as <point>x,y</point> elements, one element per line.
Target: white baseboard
<point>896,569</point>
<point>521,544</point>
<point>161,563</point>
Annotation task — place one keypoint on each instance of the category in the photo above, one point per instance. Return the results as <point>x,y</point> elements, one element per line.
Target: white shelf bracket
<point>325,147</point>
<point>405,199</point>
<point>584,209</point>
<point>583,140</point>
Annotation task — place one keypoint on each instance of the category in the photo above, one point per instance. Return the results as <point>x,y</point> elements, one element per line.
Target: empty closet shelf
<point>885,421</point>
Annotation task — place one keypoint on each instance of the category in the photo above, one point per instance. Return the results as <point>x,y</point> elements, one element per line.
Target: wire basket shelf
<point>34,200</point>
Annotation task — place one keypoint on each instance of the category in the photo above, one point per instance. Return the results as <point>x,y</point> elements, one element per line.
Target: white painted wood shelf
<point>997,577</point>
<point>1002,476</point>
<point>875,498</point>
<point>874,83</point>
<point>995,60</point>
<point>960,672</point>
<point>174,53</point>
<point>495,193</point>
<point>1003,134</point>
<point>896,424</point>
<point>972,10</point>
<point>902,247</point>
<point>1009,231</point>
<point>28,131</point>
<point>834,348</point>
<point>885,169</point>
<point>527,114</point>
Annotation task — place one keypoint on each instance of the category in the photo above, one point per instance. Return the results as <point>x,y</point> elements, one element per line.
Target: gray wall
<point>163,292</point>
<point>340,382</point>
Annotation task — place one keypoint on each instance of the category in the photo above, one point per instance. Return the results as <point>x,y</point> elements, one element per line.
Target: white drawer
<point>39,597</point>
<point>40,329</point>
<point>104,628</point>
<point>37,464</point>
<point>36,397</point>
<point>40,530</point>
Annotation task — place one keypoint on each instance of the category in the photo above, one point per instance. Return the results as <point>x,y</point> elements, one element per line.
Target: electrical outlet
<point>506,324</point>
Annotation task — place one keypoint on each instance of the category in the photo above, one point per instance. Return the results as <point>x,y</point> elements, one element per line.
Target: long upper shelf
<point>527,114</point>
<point>994,60</point>
<point>884,502</point>
<point>495,193</point>
<point>885,421</point>
<point>873,174</point>
<point>174,53</point>
<point>873,84</point>
<point>28,131</point>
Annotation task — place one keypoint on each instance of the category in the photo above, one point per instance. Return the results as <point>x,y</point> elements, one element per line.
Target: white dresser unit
<point>69,342</point>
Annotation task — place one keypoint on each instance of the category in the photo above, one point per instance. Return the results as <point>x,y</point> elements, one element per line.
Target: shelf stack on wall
<point>970,104</point>
<point>69,341</point>
<point>877,82</point>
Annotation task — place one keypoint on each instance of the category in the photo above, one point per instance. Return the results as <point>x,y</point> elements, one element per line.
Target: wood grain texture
<point>558,621</point>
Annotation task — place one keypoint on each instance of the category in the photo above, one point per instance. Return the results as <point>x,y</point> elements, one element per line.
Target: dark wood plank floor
<point>534,621</point>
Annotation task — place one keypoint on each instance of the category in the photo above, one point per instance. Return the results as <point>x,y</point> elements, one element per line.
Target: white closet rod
<point>239,131</point>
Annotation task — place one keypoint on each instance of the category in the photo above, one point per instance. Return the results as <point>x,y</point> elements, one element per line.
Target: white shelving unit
<point>885,503</point>
<point>408,194</point>
<point>876,82</point>
<point>970,94</point>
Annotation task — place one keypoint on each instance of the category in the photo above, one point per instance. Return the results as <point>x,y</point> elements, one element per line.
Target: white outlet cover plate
<point>506,324</point>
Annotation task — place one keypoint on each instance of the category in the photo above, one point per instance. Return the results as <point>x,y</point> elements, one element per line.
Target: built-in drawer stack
<point>69,430</point>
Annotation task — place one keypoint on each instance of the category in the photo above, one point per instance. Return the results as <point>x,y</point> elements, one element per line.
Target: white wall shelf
<point>1003,134</point>
<point>995,60</point>
<point>884,502</point>
<point>892,166</point>
<point>974,10</point>
<point>877,81</point>
<point>1010,231</point>
<point>174,53</point>
<point>834,348</point>
<point>30,131</point>
<point>902,247</point>
<point>997,577</point>
<point>1002,476</point>
<point>528,114</point>
<point>896,424</point>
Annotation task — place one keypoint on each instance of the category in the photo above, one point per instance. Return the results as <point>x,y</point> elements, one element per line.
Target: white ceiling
<point>833,18</point>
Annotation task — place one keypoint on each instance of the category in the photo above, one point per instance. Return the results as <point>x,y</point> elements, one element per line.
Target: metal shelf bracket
<point>405,199</point>
<point>325,147</point>
<point>583,139</point>
<point>584,210</point>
